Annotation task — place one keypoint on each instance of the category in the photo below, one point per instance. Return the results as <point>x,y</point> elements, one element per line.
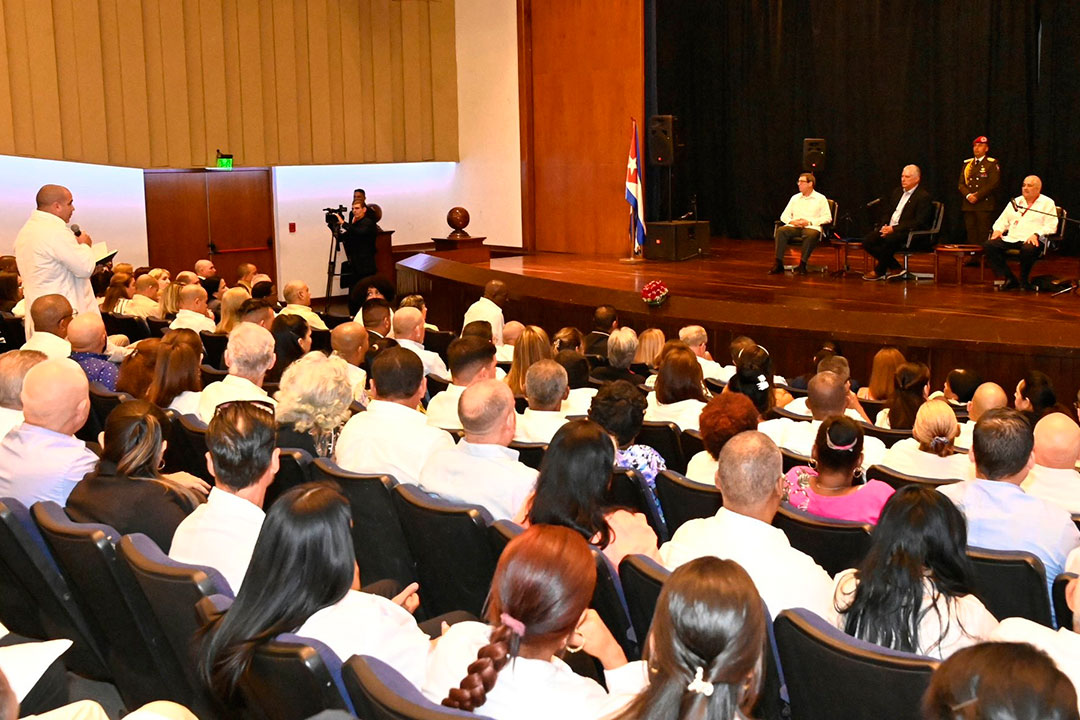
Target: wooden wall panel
<point>584,71</point>
<point>157,85</point>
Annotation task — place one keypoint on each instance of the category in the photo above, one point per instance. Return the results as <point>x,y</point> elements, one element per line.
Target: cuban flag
<point>634,195</point>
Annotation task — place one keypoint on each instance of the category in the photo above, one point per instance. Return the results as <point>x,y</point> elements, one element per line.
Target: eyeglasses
<point>264,405</point>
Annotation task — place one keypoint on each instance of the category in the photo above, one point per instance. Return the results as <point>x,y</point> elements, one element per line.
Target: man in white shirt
<point>51,315</point>
<point>409,332</point>
<point>697,340</point>
<point>545,388</point>
<point>13,368</point>
<point>51,259</point>
<point>827,395</point>
<point>257,311</point>
<point>481,469</point>
<point>805,213</point>
<point>392,436</point>
<point>192,312</point>
<point>1023,225</point>
<point>349,341</point>
<point>144,303</point>
<point>511,332</point>
<point>838,365</point>
<point>205,268</point>
<point>581,393</point>
<point>908,208</point>
<point>248,355</point>
<point>472,361</point>
<point>1057,449</point>
<point>987,397</point>
<point>298,302</point>
<point>489,308</point>
<point>221,533</point>
<point>751,478</point>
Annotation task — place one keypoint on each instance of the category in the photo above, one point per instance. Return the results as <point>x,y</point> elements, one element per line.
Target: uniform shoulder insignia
<point>993,160</point>
<point>969,159</point>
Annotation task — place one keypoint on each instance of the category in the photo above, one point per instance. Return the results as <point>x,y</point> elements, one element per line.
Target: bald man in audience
<point>392,436</point>
<point>192,314</point>
<point>1057,449</point>
<point>42,459</point>
<point>472,361</point>
<point>511,332</point>
<point>245,275</point>
<point>750,475</point>
<point>827,395</point>
<point>86,333</point>
<point>838,365</point>
<point>490,308</point>
<point>409,332</point>
<point>144,303</point>
<point>987,397</point>
<point>186,277</point>
<point>205,268</point>
<point>13,368</point>
<point>248,355</point>
<point>298,302</point>
<point>546,386</point>
<point>52,315</point>
<point>51,259</point>
<point>481,469</point>
<point>349,341</point>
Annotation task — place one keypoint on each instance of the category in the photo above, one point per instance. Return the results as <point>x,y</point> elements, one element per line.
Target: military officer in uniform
<point>978,184</point>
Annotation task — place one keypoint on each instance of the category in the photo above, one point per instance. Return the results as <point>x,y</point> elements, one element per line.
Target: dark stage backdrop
<point>885,83</point>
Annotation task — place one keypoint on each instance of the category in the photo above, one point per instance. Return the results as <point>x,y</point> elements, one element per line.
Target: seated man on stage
<point>806,212</point>
<point>1023,224</point>
<point>907,208</point>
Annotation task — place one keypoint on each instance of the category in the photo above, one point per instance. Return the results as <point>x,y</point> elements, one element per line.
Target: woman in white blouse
<point>680,390</point>
<point>913,592</point>
<point>929,452</point>
<point>303,579</point>
<point>538,608</point>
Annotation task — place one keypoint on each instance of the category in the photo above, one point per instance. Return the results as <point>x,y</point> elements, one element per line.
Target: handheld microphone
<point>874,202</point>
<point>77,230</point>
<point>1012,201</point>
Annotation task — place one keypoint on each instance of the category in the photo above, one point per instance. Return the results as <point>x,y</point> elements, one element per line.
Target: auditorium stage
<point>946,325</point>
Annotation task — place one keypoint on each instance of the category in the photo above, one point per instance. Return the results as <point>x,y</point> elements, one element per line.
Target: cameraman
<point>358,237</point>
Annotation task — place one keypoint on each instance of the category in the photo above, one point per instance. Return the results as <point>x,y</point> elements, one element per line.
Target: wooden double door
<point>226,216</point>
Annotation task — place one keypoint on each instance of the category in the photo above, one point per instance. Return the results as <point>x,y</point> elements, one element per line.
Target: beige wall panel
<point>45,85</point>
<point>133,67</point>
<point>90,82</point>
<point>427,130</point>
<point>287,97</point>
<point>269,83</point>
<point>67,73</point>
<point>318,80</point>
<point>196,99</point>
<point>174,72</point>
<point>396,71</point>
<point>254,150</point>
<point>384,79</point>
<point>361,78</point>
<point>444,92</point>
<point>230,70</point>
<point>7,101</point>
<point>156,109</point>
<point>115,128</point>
<point>411,70</point>
<point>301,108</point>
<point>19,74</point>
<point>334,104</point>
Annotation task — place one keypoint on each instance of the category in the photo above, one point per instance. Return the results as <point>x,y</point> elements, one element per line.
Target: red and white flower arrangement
<point>654,293</point>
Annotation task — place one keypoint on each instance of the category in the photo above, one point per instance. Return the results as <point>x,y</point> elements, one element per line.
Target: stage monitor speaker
<point>813,154</point>
<point>662,140</point>
<point>677,240</point>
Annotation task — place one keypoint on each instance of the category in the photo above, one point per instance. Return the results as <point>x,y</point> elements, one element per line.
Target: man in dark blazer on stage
<point>907,208</point>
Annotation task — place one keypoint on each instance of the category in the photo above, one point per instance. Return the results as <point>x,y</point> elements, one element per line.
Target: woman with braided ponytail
<point>929,452</point>
<point>705,645</point>
<point>538,607</point>
<point>911,387</point>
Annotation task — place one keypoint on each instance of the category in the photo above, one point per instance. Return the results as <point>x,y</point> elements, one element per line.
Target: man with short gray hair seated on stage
<point>805,213</point>
<point>546,386</point>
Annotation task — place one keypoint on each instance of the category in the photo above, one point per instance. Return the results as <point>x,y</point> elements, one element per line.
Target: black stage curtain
<point>885,83</point>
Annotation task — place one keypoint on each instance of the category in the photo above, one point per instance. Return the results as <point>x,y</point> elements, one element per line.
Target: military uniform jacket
<point>980,177</point>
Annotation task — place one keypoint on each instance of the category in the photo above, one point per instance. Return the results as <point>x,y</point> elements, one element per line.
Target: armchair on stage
<point>1055,242</point>
<point>826,230</point>
<point>921,241</point>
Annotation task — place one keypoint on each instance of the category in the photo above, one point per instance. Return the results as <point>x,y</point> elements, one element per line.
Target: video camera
<point>332,214</point>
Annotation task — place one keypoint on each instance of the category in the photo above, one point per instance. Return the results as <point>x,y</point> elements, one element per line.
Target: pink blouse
<point>862,505</point>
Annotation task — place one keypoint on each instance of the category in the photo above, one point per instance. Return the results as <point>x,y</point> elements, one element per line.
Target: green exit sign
<point>224,162</point>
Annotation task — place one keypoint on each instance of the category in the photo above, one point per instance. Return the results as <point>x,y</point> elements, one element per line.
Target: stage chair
<point>926,239</point>
<point>135,328</point>
<point>609,602</point>
<point>898,479</point>
<point>833,676</point>
<point>1051,242</point>
<point>1062,613</point>
<point>663,437</point>
<point>379,692</point>
<point>886,435</point>
<point>642,579</point>
<point>629,489</point>
<point>214,345</point>
<point>13,331</point>
<point>454,558</point>
<point>194,431</point>
<point>826,230</point>
<point>129,634</point>
<point>530,453</point>
<point>1011,583</point>
<point>438,341</point>
<point>294,469</point>
<point>835,545</point>
<point>684,499</point>
<point>794,460</point>
<point>501,532</point>
<point>382,551</point>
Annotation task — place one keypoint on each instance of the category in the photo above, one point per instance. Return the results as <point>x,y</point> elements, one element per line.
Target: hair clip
<point>762,382</point>
<point>516,626</point>
<point>698,684</point>
<point>834,446</point>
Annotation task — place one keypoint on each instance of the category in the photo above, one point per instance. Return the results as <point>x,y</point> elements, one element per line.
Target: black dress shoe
<point>777,269</point>
<point>1009,284</point>
<point>801,269</point>
<point>1027,287</point>
<point>873,275</point>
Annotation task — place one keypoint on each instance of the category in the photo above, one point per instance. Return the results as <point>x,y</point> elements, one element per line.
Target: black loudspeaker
<point>677,240</point>
<point>662,140</point>
<point>813,154</point>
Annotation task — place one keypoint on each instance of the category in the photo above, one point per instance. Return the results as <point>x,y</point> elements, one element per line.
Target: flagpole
<point>636,251</point>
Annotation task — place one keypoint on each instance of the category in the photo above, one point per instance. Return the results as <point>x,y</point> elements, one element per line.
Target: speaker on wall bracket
<point>813,155</point>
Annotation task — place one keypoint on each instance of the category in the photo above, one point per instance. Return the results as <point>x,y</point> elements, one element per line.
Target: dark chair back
<point>596,361</point>
<point>438,341</point>
<point>212,374</point>
<point>501,532</point>
<point>194,432</point>
<point>134,327</point>
<point>684,499</point>
<point>143,667</point>
<point>332,321</point>
<point>691,443</point>
<point>642,579</point>
<point>320,340</point>
<point>292,677</point>
<point>173,590</point>
<point>794,459</point>
<point>103,402</point>
<point>1062,613</point>
<point>663,437</point>
<point>13,331</point>
<point>899,479</point>
<point>1011,583</point>
<point>158,328</point>
<point>715,386</point>
<point>382,551</point>
<point>436,384</point>
<point>833,544</point>
<point>888,436</point>
<point>833,676</point>
<point>35,599</point>
<point>609,602</point>
<point>294,468</point>
<point>521,404</point>
<point>449,541</point>
<point>629,489</point>
<point>379,692</point>
<point>776,413</point>
<point>214,345</point>
<point>872,407</point>
<point>529,453</point>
